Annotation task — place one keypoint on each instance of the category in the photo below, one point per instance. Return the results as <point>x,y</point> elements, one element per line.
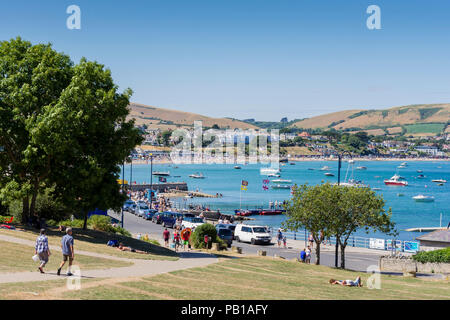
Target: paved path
<point>139,268</point>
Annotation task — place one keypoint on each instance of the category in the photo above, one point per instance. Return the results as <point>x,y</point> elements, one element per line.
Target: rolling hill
<point>410,120</point>
<point>171,119</point>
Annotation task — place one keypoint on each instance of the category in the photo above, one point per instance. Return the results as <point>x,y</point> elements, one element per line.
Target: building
<point>430,150</point>
<point>435,240</point>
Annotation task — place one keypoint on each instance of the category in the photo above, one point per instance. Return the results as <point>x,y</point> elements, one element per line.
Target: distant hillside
<point>171,119</point>
<point>410,120</point>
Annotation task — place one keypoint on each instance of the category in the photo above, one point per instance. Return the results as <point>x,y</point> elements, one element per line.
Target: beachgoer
<point>284,241</point>
<point>279,237</point>
<point>166,236</point>
<point>311,240</point>
<point>308,255</point>
<point>176,239</point>
<point>348,283</point>
<point>42,250</point>
<point>67,251</point>
<point>303,255</point>
<point>121,247</point>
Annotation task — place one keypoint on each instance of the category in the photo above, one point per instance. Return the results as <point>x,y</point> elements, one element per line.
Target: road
<point>357,259</point>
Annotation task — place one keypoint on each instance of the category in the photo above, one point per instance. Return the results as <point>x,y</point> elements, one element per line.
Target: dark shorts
<point>67,256</point>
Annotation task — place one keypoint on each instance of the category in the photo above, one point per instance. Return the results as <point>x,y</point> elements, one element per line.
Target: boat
<point>420,176</point>
<point>271,212</point>
<point>419,171</point>
<point>329,174</point>
<point>325,168</point>
<point>440,184</point>
<point>404,164</point>
<point>400,195</point>
<point>278,181</point>
<point>248,212</point>
<point>292,163</point>
<point>197,176</point>
<point>274,175</point>
<point>361,168</point>
<point>439,180</point>
<point>401,167</point>
<point>281,186</point>
<point>311,169</point>
<point>161,173</point>
<point>423,198</point>
<point>376,189</point>
<point>396,180</point>
<point>237,167</point>
<point>267,171</point>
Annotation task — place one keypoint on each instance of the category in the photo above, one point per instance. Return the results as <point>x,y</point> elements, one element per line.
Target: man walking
<point>42,250</point>
<point>67,251</point>
<point>166,236</point>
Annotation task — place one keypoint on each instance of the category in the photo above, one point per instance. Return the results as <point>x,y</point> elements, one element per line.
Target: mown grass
<point>266,278</point>
<point>95,241</point>
<point>16,257</point>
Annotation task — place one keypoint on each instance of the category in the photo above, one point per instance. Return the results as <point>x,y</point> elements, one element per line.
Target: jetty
<point>159,187</point>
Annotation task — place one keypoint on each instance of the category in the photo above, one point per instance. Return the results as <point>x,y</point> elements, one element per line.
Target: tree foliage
<point>63,126</point>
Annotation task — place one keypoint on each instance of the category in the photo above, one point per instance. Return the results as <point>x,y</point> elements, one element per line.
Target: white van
<point>253,234</point>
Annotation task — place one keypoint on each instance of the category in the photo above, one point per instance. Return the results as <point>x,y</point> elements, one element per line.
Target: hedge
<point>435,256</point>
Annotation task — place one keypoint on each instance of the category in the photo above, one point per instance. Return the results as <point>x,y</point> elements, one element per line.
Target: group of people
<point>276,204</point>
<point>180,238</point>
<point>42,250</point>
<point>281,238</point>
<point>305,255</point>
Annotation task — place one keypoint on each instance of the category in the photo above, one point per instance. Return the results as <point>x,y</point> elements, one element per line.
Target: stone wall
<point>406,264</point>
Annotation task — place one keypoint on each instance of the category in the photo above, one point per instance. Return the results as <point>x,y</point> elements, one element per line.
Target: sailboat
<point>349,180</point>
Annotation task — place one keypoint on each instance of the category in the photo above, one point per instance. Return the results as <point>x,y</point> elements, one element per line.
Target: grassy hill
<point>171,119</point>
<point>411,120</point>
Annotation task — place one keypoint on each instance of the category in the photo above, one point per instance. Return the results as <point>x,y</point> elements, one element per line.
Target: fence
<point>357,241</point>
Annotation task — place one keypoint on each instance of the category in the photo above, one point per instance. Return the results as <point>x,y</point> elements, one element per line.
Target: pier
<point>159,187</point>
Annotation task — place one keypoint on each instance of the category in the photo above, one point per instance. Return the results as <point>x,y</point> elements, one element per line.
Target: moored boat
<point>439,180</point>
<point>197,176</point>
<point>396,180</point>
<point>329,174</point>
<point>281,186</point>
<point>423,198</point>
<point>161,173</point>
<point>268,171</point>
<point>281,181</point>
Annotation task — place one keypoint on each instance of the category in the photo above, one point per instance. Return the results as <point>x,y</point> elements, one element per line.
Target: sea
<point>226,180</point>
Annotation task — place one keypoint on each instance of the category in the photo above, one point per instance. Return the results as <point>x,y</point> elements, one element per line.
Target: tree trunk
<point>25,210</point>
<point>343,255</point>
<point>85,220</point>
<point>317,253</point>
<point>33,203</point>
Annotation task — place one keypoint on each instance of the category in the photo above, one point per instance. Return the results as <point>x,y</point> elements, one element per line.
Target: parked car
<point>142,209</point>
<point>132,208</point>
<point>192,222</point>
<point>232,227</point>
<point>127,205</point>
<point>252,234</point>
<point>150,214</point>
<point>168,219</point>
<point>226,235</point>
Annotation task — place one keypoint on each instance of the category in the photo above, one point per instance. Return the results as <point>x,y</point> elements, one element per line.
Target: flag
<point>266,181</point>
<point>244,188</point>
<point>244,183</point>
<point>265,187</point>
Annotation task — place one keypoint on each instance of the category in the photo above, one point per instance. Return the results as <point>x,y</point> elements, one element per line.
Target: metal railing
<point>356,241</point>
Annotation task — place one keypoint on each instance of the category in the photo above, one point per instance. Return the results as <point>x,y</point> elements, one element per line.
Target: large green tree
<point>313,208</point>
<point>62,126</point>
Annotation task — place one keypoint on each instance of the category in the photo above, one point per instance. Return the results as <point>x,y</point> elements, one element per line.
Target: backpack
<point>303,255</point>
<point>112,243</point>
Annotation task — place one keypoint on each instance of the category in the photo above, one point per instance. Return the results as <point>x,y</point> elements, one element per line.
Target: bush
<point>76,223</point>
<point>101,223</point>
<point>198,236</point>
<point>434,256</point>
<point>122,231</point>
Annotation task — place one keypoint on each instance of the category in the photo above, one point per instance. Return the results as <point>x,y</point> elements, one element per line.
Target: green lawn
<point>95,241</point>
<point>255,278</point>
<point>17,258</point>
<point>425,128</point>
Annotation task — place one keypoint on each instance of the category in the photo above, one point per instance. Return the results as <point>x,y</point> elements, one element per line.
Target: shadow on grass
<point>102,238</point>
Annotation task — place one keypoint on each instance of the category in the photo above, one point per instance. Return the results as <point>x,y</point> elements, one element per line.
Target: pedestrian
<point>284,241</point>
<point>303,255</point>
<point>308,255</point>
<point>67,251</point>
<point>176,239</point>
<point>42,250</point>
<point>166,236</point>
<point>311,240</point>
<point>279,237</point>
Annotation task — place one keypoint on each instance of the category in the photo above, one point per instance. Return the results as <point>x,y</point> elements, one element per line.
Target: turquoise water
<point>226,180</point>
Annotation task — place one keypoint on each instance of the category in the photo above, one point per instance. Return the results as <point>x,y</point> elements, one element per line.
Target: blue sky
<point>262,59</point>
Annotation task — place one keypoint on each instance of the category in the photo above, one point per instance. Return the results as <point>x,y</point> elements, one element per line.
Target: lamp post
<point>339,154</point>
<point>123,182</point>
<point>151,178</point>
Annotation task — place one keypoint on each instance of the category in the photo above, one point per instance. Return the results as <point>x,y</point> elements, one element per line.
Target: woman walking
<point>42,250</point>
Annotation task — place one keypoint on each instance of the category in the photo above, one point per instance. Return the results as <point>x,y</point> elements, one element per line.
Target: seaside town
<point>203,195</point>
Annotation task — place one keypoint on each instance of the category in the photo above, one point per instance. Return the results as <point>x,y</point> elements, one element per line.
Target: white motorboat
<point>396,180</point>
<point>237,167</point>
<point>325,168</point>
<point>329,174</point>
<point>281,186</point>
<point>439,180</point>
<point>279,181</point>
<point>361,168</point>
<point>423,198</point>
<point>267,171</point>
<point>161,173</point>
<point>197,176</point>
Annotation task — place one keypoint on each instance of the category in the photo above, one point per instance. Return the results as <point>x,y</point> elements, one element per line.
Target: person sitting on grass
<point>348,283</point>
<point>121,247</point>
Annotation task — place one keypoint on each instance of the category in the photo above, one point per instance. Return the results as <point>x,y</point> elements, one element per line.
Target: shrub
<point>434,256</point>
<point>76,223</point>
<point>198,236</point>
<point>123,232</point>
<point>101,223</point>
